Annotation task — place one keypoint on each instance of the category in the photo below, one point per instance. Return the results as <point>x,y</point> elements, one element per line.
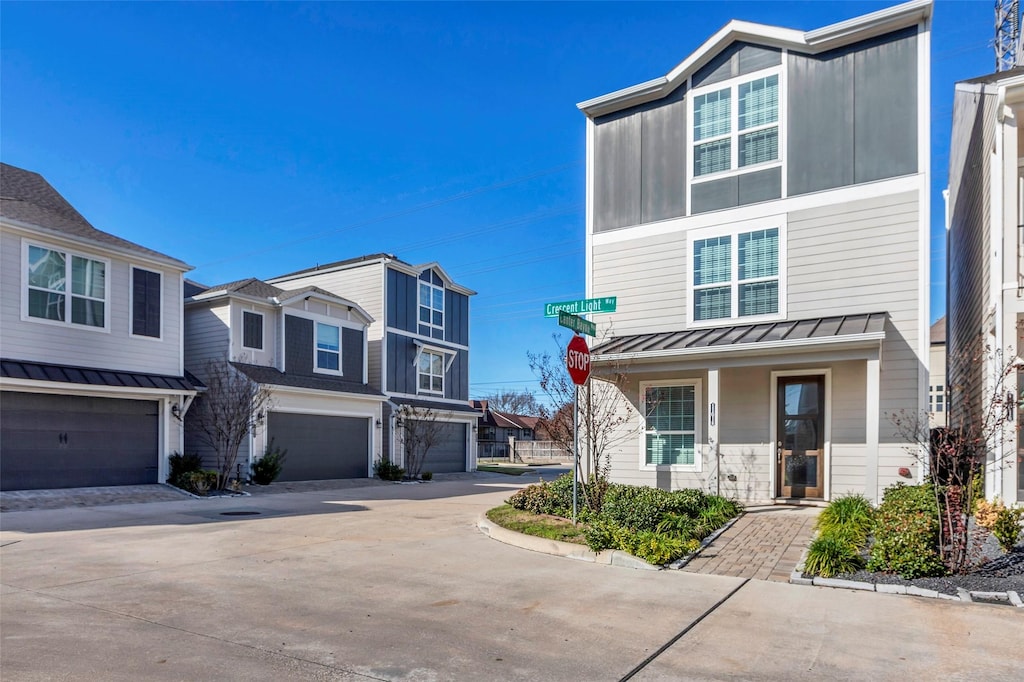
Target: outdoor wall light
<point>379,423</point>
<point>176,410</point>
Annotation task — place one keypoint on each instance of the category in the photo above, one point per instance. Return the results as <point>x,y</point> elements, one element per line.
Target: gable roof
<point>27,198</point>
<point>812,42</point>
<point>272,295</point>
<point>386,259</point>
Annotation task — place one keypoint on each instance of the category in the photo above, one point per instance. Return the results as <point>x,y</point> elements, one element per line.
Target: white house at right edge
<point>985,302</point>
<point>761,213</point>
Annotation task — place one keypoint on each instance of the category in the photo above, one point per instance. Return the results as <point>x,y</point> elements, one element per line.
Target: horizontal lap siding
<point>649,278</point>
<point>823,280</point>
<point>206,335</point>
<point>77,345</point>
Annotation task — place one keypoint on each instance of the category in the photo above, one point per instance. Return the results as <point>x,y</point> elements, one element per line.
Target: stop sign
<point>577,360</point>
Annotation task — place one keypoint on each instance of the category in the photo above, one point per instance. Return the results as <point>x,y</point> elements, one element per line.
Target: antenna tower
<point>1007,41</point>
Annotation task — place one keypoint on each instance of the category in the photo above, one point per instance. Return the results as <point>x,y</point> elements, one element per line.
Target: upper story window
<point>736,275</point>
<point>431,305</point>
<point>49,271</point>
<point>146,302</point>
<point>671,429</point>
<point>736,126</point>
<point>328,348</point>
<point>252,331</point>
<point>430,372</point>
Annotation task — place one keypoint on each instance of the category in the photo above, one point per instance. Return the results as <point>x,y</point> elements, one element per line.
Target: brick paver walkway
<point>766,543</point>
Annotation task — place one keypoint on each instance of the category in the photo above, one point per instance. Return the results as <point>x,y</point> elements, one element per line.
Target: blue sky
<point>256,139</point>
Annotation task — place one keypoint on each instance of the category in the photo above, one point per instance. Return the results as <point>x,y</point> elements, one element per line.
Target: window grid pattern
<point>431,310</point>
<point>430,372</point>
<point>751,129</point>
<point>48,273</point>
<point>746,282</point>
<point>670,428</point>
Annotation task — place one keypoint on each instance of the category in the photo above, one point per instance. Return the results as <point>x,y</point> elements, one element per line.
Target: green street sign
<point>577,323</point>
<point>581,306</point>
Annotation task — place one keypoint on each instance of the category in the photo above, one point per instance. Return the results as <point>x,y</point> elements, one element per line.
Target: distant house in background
<point>937,396</point>
<point>985,246</point>
<point>761,212</point>
<point>309,347</point>
<point>90,331</point>
<point>418,347</point>
<point>495,428</point>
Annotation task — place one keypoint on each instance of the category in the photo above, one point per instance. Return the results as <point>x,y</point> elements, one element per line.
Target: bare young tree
<point>513,402</point>
<point>981,421</point>
<point>604,414</point>
<point>421,430</point>
<point>224,414</point>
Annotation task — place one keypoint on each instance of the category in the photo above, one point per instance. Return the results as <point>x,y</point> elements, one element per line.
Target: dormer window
<point>736,126</point>
<point>431,305</point>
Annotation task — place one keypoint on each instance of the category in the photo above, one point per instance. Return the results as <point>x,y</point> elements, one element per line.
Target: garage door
<point>55,441</point>
<point>449,454</point>
<point>321,447</point>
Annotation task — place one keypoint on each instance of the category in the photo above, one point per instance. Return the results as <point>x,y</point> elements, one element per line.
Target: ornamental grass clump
<point>852,513</point>
<point>833,553</point>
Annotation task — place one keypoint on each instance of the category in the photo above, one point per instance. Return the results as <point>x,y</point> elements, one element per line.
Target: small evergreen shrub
<point>831,554</point>
<point>180,465</point>
<point>906,532</point>
<point>387,471</point>
<point>268,467</point>
<point>986,513</point>
<point>427,475</point>
<point>1006,527</point>
<point>536,498</point>
<point>200,482</point>
<point>600,534</point>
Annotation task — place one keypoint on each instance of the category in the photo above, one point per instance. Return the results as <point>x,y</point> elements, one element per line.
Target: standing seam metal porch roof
<point>747,336</point>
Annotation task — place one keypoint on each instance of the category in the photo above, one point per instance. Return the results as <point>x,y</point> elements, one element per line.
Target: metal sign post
<point>575,448</point>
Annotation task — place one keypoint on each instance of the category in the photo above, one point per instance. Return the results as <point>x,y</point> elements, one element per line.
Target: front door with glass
<point>800,449</point>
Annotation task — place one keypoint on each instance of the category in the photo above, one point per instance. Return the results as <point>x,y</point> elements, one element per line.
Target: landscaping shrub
<point>906,532</point>
<point>853,513</point>
<point>427,475</point>
<point>1006,527</point>
<point>200,482</point>
<point>600,534</point>
<point>986,513</point>
<point>657,548</point>
<point>180,465</point>
<point>832,553</point>
<point>681,525</point>
<point>268,467</point>
<point>643,508</point>
<point>387,471</point>
<point>536,498</point>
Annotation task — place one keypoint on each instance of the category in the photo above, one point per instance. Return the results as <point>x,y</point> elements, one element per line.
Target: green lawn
<point>541,525</point>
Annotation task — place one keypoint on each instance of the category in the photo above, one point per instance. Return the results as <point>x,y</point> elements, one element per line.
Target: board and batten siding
<point>69,344</point>
<point>363,284</point>
<point>970,226</point>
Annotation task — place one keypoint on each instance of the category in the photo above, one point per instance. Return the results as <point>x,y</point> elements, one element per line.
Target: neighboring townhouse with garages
<point>762,214</point>
<point>418,351</point>
<point>309,348</point>
<point>985,251</point>
<point>91,341</point>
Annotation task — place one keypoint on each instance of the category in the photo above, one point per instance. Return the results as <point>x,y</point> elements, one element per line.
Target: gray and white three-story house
<point>762,214</point>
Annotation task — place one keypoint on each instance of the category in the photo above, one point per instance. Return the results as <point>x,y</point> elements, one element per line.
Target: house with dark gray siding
<point>418,347</point>
<point>762,214</point>
<point>985,247</point>
<point>92,373</point>
<point>309,348</point>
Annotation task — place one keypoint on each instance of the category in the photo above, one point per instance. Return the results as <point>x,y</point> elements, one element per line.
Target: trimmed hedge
<point>906,532</point>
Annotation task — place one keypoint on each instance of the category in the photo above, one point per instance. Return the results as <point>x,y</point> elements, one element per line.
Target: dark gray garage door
<point>56,441</point>
<point>321,447</point>
<point>449,454</point>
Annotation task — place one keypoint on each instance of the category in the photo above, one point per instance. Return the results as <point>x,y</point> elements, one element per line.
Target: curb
<point>797,578</point>
<point>608,557</point>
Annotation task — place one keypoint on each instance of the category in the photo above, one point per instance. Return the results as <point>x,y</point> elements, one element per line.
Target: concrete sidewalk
<point>766,543</point>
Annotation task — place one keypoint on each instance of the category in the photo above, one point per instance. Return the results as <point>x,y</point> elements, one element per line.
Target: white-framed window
<point>736,125</point>
<point>671,433</point>
<point>65,287</point>
<point>146,302</point>
<point>737,274</point>
<point>327,351</point>
<point>938,399</point>
<point>252,331</point>
<point>431,305</point>
<point>430,372</point>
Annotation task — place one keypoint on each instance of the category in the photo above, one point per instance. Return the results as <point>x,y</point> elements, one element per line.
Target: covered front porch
<point>787,411</point>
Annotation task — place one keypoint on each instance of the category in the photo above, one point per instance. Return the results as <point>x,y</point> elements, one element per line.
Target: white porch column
<point>713,420</point>
<point>872,412</point>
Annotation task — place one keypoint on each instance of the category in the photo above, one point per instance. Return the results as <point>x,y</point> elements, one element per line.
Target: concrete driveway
<point>396,583</point>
